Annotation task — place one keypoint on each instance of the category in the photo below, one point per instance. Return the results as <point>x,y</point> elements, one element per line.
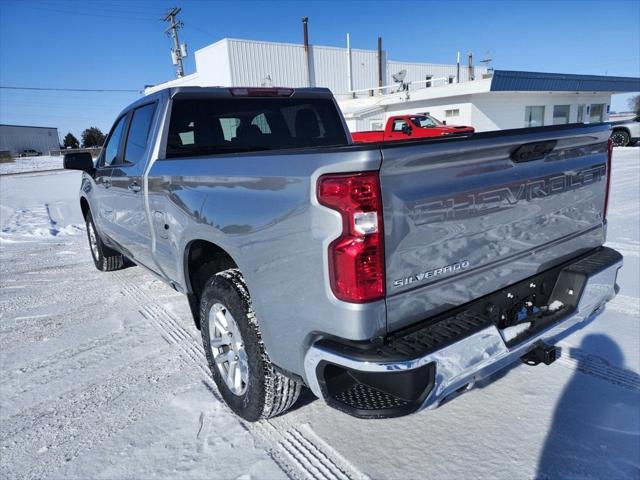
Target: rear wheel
<point>105,259</point>
<point>620,138</point>
<point>246,378</point>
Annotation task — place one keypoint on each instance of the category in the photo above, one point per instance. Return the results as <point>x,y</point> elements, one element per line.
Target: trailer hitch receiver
<point>543,353</point>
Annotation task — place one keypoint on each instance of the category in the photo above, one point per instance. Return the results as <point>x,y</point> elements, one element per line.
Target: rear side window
<point>139,133</point>
<point>208,126</point>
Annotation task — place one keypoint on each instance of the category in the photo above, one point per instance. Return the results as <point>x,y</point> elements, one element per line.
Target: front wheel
<point>105,259</point>
<point>620,138</point>
<point>246,378</point>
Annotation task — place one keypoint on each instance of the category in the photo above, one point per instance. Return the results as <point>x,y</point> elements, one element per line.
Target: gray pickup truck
<point>386,277</point>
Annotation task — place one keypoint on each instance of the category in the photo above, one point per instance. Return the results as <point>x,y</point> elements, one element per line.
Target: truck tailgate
<point>466,217</point>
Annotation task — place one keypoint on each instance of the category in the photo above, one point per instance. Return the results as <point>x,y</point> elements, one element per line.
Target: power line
<point>47,89</point>
<point>52,9</point>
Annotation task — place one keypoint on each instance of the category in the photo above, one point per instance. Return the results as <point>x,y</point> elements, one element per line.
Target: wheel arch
<point>84,206</point>
<point>202,259</point>
<point>626,129</point>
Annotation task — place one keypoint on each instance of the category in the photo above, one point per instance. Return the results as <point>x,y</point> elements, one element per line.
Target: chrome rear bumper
<point>459,365</point>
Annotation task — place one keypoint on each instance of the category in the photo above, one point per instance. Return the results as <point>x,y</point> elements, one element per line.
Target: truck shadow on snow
<point>595,431</point>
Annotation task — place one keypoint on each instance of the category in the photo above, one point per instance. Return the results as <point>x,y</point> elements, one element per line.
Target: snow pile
<point>512,332</point>
<point>36,221</point>
<point>555,305</point>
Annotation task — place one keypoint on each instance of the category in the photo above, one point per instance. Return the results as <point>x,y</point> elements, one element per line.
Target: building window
<point>452,113</point>
<point>561,114</point>
<point>376,125</point>
<point>580,118</point>
<point>597,113</point>
<point>428,78</point>
<point>534,116</point>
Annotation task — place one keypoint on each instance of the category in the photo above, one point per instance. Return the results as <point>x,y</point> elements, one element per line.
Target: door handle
<point>134,187</point>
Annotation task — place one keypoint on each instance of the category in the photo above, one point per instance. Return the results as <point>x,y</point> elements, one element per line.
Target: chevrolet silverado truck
<point>386,278</point>
<point>408,127</point>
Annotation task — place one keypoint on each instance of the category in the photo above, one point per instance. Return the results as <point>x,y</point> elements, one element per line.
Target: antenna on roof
<point>399,78</point>
<point>487,61</point>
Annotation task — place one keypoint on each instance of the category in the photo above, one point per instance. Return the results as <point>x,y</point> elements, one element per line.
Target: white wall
<point>503,110</point>
<point>212,65</point>
<point>487,111</point>
<point>237,62</point>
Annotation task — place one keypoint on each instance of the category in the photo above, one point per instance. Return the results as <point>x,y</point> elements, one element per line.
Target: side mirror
<point>444,122</point>
<point>406,129</point>
<point>79,161</point>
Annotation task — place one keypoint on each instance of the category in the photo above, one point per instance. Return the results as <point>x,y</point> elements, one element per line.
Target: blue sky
<point>120,44</point>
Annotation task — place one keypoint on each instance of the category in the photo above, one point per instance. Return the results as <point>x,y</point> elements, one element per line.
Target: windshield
<point>425,121</point>
<point>209,126</point>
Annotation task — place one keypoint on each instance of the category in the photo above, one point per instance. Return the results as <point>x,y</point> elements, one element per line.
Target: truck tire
<point>246,378</point>
<point>104,258</point>
<point>620,138</point>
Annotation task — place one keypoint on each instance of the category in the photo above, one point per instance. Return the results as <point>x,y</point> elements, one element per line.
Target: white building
<point>489,100</point>
<point>507,99</point>
<point>17,138</point>
<point>241,63</point>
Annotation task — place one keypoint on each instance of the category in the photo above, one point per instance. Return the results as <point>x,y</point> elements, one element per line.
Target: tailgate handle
<point>533,151</point>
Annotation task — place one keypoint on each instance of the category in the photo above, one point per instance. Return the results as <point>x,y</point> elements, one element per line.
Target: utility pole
<point>179,51</point>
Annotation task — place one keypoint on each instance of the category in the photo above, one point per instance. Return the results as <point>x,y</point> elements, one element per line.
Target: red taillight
<point>261,92</point>
<point>356,257</point>
<point>608,188</point>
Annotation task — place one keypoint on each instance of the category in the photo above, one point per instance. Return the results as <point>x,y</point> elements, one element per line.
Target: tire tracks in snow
<point>81,419</point>
<point>81,361</point>
<point>625,304</point>
<point>598,367</point>
<point>297,450</point>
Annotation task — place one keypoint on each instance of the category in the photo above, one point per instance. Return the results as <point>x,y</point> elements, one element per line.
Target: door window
<point>580,118</point>
<point>398,125</point>
<point>111,148</point>
<point>138,133</point>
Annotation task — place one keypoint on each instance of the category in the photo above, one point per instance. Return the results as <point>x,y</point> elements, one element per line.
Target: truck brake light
<point>356,257</point>
<point>608,187</point>
<point>261,92</point>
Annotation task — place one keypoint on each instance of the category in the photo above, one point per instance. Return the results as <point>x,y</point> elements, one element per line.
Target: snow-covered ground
<point>102,376</point>
<point>29,164</point>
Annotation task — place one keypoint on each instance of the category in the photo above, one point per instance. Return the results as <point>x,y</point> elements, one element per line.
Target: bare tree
<point>634,103</point>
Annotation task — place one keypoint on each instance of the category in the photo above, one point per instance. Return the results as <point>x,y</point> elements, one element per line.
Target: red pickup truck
<point>406,127</point>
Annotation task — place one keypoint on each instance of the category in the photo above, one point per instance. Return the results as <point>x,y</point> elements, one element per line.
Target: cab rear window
<point>214,126</point>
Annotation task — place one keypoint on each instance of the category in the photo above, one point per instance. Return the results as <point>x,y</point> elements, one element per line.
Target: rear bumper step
<point>423,365</point>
